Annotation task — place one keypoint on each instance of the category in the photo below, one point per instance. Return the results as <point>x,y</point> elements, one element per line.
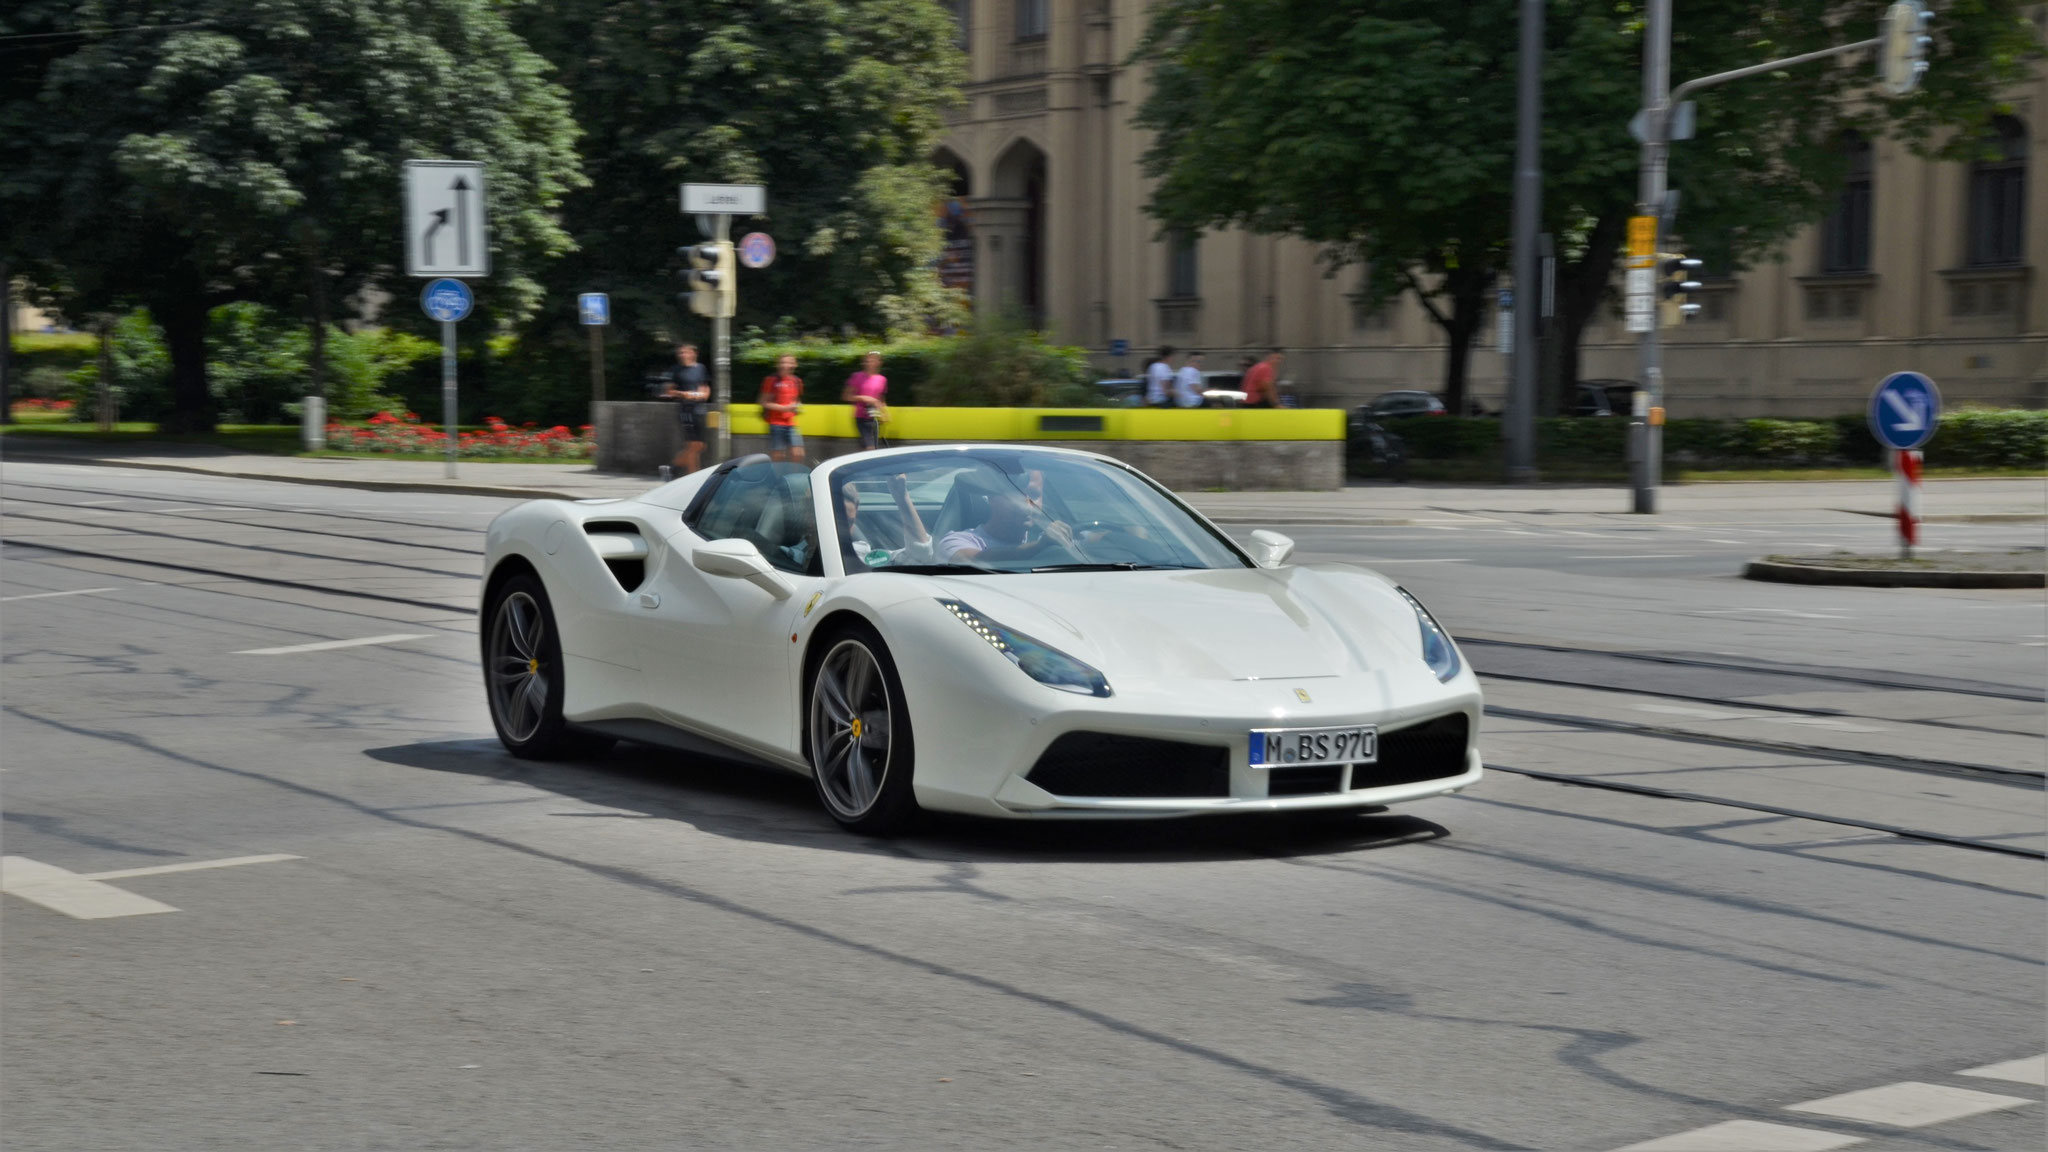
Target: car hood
<point>1222,624</point>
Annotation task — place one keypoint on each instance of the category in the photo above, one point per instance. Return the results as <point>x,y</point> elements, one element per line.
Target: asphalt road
<point>1746,849</point>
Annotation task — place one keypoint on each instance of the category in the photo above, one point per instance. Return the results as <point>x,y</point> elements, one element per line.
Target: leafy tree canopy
<point>1384,129</point>
<point>186,153</point>
<point>834,105</point>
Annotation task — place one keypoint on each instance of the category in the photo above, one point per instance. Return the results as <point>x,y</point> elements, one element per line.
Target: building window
<point>1183,273</point>
<point>1998,198</point>
<point>1845,234</point>
<point>1031,19</point>
<point>963,13</point>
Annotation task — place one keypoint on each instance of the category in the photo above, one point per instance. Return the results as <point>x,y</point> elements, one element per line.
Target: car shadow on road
<point>638,781</point>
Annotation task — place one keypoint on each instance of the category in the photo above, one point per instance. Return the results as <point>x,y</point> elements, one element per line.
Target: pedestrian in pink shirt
<point>864,390</point>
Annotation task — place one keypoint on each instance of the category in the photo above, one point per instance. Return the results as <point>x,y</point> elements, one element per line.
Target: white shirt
<point>954,543</point>
<point>1187,387</point>
<point>1158,378</point>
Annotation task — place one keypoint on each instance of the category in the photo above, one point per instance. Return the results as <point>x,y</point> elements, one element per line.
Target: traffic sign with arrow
<point>444,219</point>
<point>1904,411</point>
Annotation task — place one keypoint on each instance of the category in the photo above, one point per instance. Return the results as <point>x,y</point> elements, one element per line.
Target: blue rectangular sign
<point>594,308</point>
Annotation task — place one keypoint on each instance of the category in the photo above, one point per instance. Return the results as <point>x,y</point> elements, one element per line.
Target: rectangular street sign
<point>1642,240</point>
<point>594,308</point>
<point>725,199</point>
<point>1642,282</point>
<point>1642,312</point>
<point>444,219</point>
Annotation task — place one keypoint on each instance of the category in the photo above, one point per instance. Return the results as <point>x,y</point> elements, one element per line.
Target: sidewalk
<point>2016,500</point>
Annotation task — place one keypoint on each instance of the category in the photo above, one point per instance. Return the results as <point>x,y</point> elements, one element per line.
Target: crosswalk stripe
<point>1908,1104</point>
<point>2030,1070</point>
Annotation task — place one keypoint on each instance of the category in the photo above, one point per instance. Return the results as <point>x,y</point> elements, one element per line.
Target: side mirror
<point>740,560</point>
<point>1271,549</point>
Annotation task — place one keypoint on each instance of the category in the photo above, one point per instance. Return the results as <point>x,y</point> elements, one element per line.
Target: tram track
<point>11,499</point>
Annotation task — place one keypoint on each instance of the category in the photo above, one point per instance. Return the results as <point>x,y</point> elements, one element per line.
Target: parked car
<point>1371,450</point>
<point>1604,398</point>
<point>1122,392</point>
<point>1405,403</point>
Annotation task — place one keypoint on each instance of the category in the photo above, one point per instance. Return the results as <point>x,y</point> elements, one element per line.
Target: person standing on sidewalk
<point>864,390</point>
<point>690,389</point>
<point>1159,379</point>
<point>1262,381</point>
<point>782,397</point>
<point>1187,383</point>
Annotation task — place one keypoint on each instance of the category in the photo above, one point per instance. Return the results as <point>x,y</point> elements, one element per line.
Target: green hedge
<point>1976,437</point>
<point>998,363</point>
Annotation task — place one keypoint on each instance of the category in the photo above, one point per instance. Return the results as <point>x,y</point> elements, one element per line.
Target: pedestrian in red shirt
<point>782,397</point>
<point>1261,388</point>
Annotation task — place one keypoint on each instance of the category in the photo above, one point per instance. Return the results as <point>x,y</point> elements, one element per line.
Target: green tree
<point>835,105</point>
<point>1384,131</point>
<point>184,154</point>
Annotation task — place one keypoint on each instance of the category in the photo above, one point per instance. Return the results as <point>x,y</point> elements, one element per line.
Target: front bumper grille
<point>1102,764</point>
<point>1433,750</point>
<point>1310,781</point>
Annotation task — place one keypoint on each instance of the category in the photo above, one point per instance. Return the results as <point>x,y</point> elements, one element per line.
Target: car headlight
<point>1042,662</point>
<point>1437,650</point>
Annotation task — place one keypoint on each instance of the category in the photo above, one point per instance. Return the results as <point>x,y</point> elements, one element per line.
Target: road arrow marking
<point>88,896</point>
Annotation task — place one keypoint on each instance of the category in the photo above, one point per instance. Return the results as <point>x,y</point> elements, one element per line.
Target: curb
<point>1780,573</point>
<point>317,481</point>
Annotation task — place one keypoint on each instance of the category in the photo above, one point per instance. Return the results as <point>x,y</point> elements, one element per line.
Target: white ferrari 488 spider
<point>1005,631</point>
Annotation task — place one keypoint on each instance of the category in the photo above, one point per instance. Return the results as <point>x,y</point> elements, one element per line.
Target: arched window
<point>1998,198</point>
<point>1845,234</point>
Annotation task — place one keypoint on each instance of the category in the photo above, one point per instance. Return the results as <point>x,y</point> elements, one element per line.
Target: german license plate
<point>1280,747</point>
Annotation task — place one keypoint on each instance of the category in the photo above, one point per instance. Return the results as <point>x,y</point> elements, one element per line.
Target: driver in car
<point>1001,536</point>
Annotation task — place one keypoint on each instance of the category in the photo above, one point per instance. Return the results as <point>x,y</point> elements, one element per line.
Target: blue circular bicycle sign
<point>446,300</point>
<point>1904,410</point>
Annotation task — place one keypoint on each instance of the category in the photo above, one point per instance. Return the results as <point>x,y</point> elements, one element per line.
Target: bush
<point>1447,437</point>
<point>824,366</point>
<point>1000,363</point>
<point>142,373</point>
<point>1990,438</point>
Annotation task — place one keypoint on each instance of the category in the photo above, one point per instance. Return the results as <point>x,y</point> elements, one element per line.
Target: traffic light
<point>1681,276</point>
<point>714,290</point>
<point>1902,54</point>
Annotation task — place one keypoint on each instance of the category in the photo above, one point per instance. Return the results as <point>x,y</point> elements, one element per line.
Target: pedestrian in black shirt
<point>691,390</point>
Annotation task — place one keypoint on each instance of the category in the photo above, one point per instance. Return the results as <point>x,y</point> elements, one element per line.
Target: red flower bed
<point>35,404</point>
<point>402,433</point>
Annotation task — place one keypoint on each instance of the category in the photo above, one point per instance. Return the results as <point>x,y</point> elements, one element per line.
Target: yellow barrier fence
<point>906,425</point>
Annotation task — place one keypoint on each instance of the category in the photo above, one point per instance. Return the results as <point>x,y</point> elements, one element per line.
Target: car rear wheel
<point>858,736</point>
<point>523,675</point>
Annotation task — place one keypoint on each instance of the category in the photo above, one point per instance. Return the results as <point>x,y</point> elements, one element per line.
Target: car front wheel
<point>858,736</point>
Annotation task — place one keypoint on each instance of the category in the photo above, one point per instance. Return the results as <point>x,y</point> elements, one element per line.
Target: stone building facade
<point>1929,266</point>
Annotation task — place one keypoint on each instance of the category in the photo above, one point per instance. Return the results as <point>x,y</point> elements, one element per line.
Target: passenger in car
<point>917,547</point>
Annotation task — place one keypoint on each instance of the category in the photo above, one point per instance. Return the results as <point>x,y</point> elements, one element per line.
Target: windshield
<point>1006,510</point>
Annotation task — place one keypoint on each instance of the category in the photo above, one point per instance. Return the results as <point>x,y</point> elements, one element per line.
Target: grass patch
<point>76,343</point>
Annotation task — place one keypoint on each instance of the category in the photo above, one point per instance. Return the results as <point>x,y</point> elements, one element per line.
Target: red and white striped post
<point>1906,465</point>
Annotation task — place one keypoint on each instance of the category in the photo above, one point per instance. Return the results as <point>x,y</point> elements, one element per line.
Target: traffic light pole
<point>721,360</point>
<point>1904,45</point>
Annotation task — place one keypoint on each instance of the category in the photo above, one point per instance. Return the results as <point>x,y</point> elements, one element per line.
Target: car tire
<point>857,734</point>
<point>524,675</point>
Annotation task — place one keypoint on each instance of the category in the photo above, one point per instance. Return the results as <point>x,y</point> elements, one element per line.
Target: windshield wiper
<point>937,569</point>
<point>1111,566</point>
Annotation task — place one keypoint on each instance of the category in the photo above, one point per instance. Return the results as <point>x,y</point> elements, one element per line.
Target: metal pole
<point>596,367</point>
<point>1528,210</point>
<point>721,361</point>
<point>448,389</point>
<point>1646,434</point>
<point>104,396</point>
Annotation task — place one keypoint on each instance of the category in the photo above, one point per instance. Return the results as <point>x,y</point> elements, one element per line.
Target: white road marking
<point>1909,1104</point>
<point>1421,560</point>
<point>190,866</point>
<point>90,503</point>
<point>1717,540</point>
<point>47,595</point>
<point>2031,1070</point>
<point>87,896</point>
<point>1822,722</point>
<point>68,892</point>
<point>1747,1136</point>
<point>1771,611</point>
<point>329,645</point>
<point>1649,556</point>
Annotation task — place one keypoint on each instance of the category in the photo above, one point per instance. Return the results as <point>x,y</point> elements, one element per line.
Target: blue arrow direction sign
<point>446,300</point>
<point>594,308</point>
<point>1904,410</point>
